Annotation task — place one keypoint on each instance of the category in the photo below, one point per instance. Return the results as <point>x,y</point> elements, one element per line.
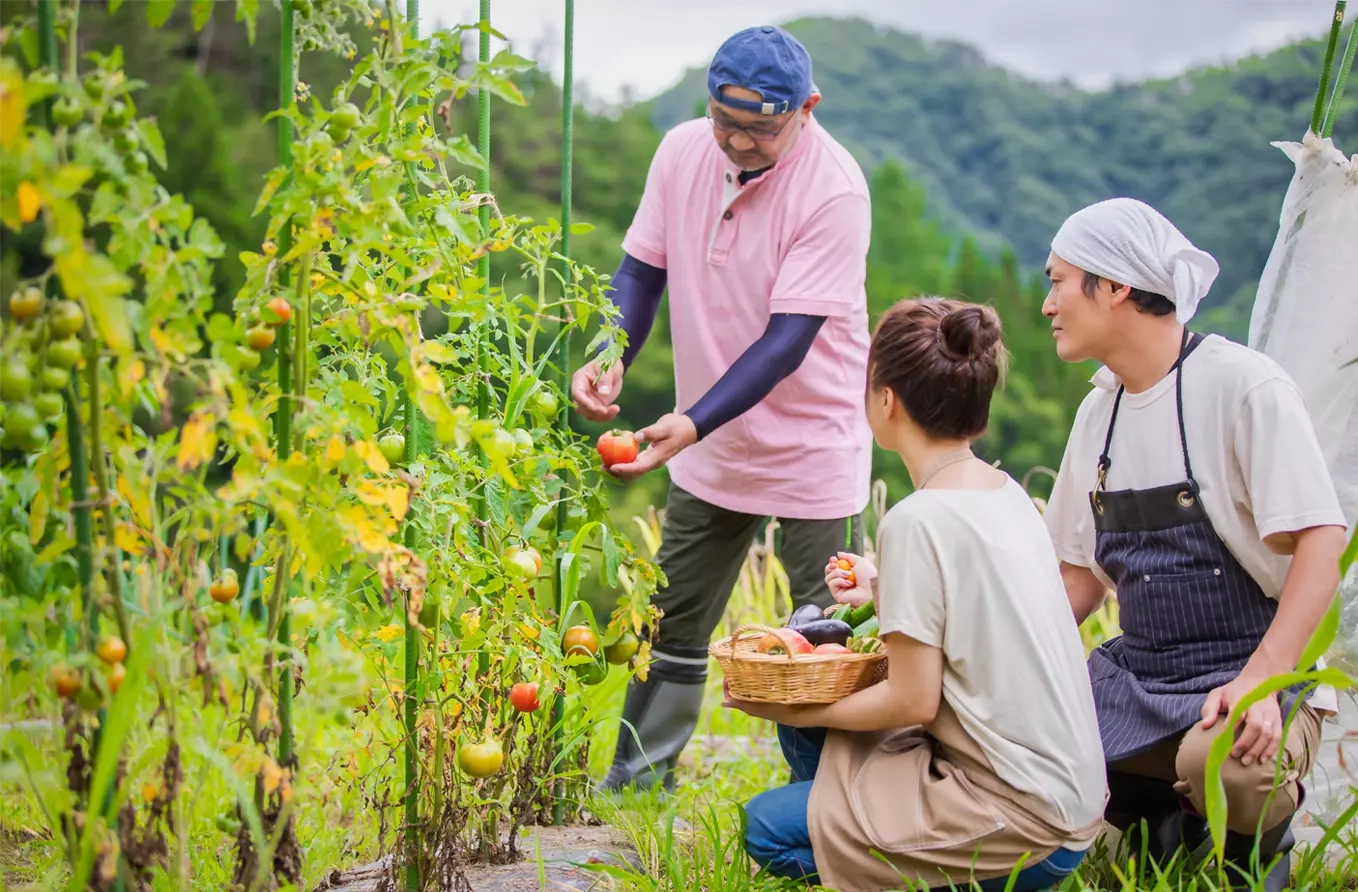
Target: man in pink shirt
<point>758,222</point>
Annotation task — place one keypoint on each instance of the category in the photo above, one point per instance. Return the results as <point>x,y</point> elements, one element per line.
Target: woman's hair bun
<point>969,332</point>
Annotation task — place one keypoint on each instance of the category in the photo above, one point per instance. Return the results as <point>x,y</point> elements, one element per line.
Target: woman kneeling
<point>979,754</point>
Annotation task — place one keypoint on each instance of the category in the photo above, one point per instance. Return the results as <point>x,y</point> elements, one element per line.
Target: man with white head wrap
<point>1194,487</point>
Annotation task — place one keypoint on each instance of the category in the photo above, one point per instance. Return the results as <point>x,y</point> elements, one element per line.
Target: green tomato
<point>54,378</point>
<point>126,140</point>
<point>116,116</point>
<point>48,405</point>
<point>523,442</point>
<point>43,77</point>
<point>500,445</point>
<point>247,358</point>
<point>19,417</point>
<point>544,404</point>
<point>392,447</point>
<point>302,8</point>
<point>96,83</point>
<point>592,673</point>
<point>66,318</point>
<point>136,163</point>
<point>66,112</point>
<point>15,380</point>
<point>346,117</point>
<point>64,354</point>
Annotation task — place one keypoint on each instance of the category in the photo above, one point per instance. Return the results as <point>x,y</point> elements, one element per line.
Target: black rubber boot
<point>1273,844</point>
<point>663,711</point>
<point>1134,798</point>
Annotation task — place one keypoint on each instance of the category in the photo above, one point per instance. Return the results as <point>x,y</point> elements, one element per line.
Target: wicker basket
<point>792,678</point>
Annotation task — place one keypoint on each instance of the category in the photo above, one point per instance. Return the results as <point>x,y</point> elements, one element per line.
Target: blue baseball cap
<point>767,60</point>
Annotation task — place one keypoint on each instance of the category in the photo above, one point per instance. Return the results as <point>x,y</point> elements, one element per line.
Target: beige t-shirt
<point>972,572</point>
<point>1250,442</point>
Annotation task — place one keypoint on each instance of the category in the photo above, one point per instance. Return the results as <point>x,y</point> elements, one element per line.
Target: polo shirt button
<point>1148,578</point>
<point>728,178</point>
<point>728,215</point>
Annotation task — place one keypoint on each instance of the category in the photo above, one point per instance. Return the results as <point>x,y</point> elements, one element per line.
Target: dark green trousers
<point>702,549</point>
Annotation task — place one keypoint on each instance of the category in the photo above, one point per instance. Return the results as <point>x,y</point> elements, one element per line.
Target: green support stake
<point>483,264</point>
<point>47,47</point>
<point>564,347</point>
<point>412,668</point>
<point>287,79</point>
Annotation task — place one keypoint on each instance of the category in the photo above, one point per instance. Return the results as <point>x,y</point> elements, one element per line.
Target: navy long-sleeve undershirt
<point>637,290</point>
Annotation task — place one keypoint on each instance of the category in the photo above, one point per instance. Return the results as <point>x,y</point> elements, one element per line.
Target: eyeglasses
<point>755,132</point>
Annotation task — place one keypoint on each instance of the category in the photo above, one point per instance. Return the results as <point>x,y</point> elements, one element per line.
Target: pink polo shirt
<point>793,240</point>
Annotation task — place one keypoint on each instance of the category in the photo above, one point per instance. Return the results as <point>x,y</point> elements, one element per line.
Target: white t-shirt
<point>972,572</point>
<point>1250,442</point>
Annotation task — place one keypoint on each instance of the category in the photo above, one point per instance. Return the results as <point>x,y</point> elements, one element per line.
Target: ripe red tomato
<point>618,448</point>
<point>524,696</point>
<point>66,681</point>
<point>831,648</point>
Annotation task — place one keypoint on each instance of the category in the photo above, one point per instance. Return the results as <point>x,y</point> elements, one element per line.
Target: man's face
<point>753,141</point>
<point>1081,324</point>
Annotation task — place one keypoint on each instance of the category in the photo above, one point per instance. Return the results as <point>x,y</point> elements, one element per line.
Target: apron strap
<point>1190,343</point>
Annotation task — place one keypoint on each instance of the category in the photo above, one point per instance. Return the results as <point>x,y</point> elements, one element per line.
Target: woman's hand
<point>778,713</point>
<point>852,586</point>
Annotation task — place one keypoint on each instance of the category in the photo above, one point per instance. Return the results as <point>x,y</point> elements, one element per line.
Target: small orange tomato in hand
<point>845,565</point>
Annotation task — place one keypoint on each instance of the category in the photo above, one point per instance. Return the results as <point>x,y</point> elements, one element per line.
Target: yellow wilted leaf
<point>334,452</point>
<point>528,631</point>
<point>37,517</point>
<point>244,422</point>
<point>395,496</point>
<point>265,712</point>
<point>30,202</point>
<point>428,378</point>
<point>161,340</point>
<point>388,634</point>
<point>125,536</point>
<point>196,441</point>
<point>365,530</point>
<point>372,456</point>
<point>454,710</point>
<point>272,775</point>
<point>137,500</point>
<point>130,373</point>
<point>149,791</point>
<point>13,108</point>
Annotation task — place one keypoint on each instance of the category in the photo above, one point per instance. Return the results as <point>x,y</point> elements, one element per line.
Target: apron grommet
<point>1216,572</point>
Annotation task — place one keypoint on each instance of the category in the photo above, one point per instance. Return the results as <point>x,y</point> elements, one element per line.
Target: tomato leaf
<point>154,142</point>
<point>202,13</point>
<point>158,11</point>
<point>247,11</point>
<point>114,6</point>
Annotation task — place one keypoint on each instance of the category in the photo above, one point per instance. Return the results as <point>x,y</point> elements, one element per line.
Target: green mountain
<point>1006,159</point>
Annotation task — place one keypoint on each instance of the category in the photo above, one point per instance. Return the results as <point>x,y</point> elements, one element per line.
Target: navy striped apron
<point>1191,616</point>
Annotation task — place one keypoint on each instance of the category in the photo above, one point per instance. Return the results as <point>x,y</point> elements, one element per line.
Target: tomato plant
<point>231,548</point>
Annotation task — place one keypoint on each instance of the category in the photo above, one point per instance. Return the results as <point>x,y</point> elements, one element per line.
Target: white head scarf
<point>1132,243</point>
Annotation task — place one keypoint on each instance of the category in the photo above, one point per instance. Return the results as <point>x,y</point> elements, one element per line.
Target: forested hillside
<point>972,169</point>
<point>1007,159</point>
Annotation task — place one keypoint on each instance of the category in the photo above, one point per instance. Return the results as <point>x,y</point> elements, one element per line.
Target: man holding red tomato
<point>758,222</point>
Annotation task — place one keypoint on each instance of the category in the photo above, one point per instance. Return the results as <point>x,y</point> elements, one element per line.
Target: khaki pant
<point>1254,801</point>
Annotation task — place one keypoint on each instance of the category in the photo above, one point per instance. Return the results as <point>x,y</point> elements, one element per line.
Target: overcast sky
<point>647,44</point>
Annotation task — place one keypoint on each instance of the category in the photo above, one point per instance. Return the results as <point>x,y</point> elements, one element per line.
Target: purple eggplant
<point>826,631</point>
<point>808,613</point>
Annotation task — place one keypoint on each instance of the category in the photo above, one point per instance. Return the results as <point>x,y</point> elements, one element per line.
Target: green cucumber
<point>842,613</point>
<point>860,614</point>
<point>868,629</point>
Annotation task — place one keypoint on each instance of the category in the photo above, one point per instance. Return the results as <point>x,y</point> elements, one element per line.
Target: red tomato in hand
<point>524,696</point>
<point>618,448</point>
